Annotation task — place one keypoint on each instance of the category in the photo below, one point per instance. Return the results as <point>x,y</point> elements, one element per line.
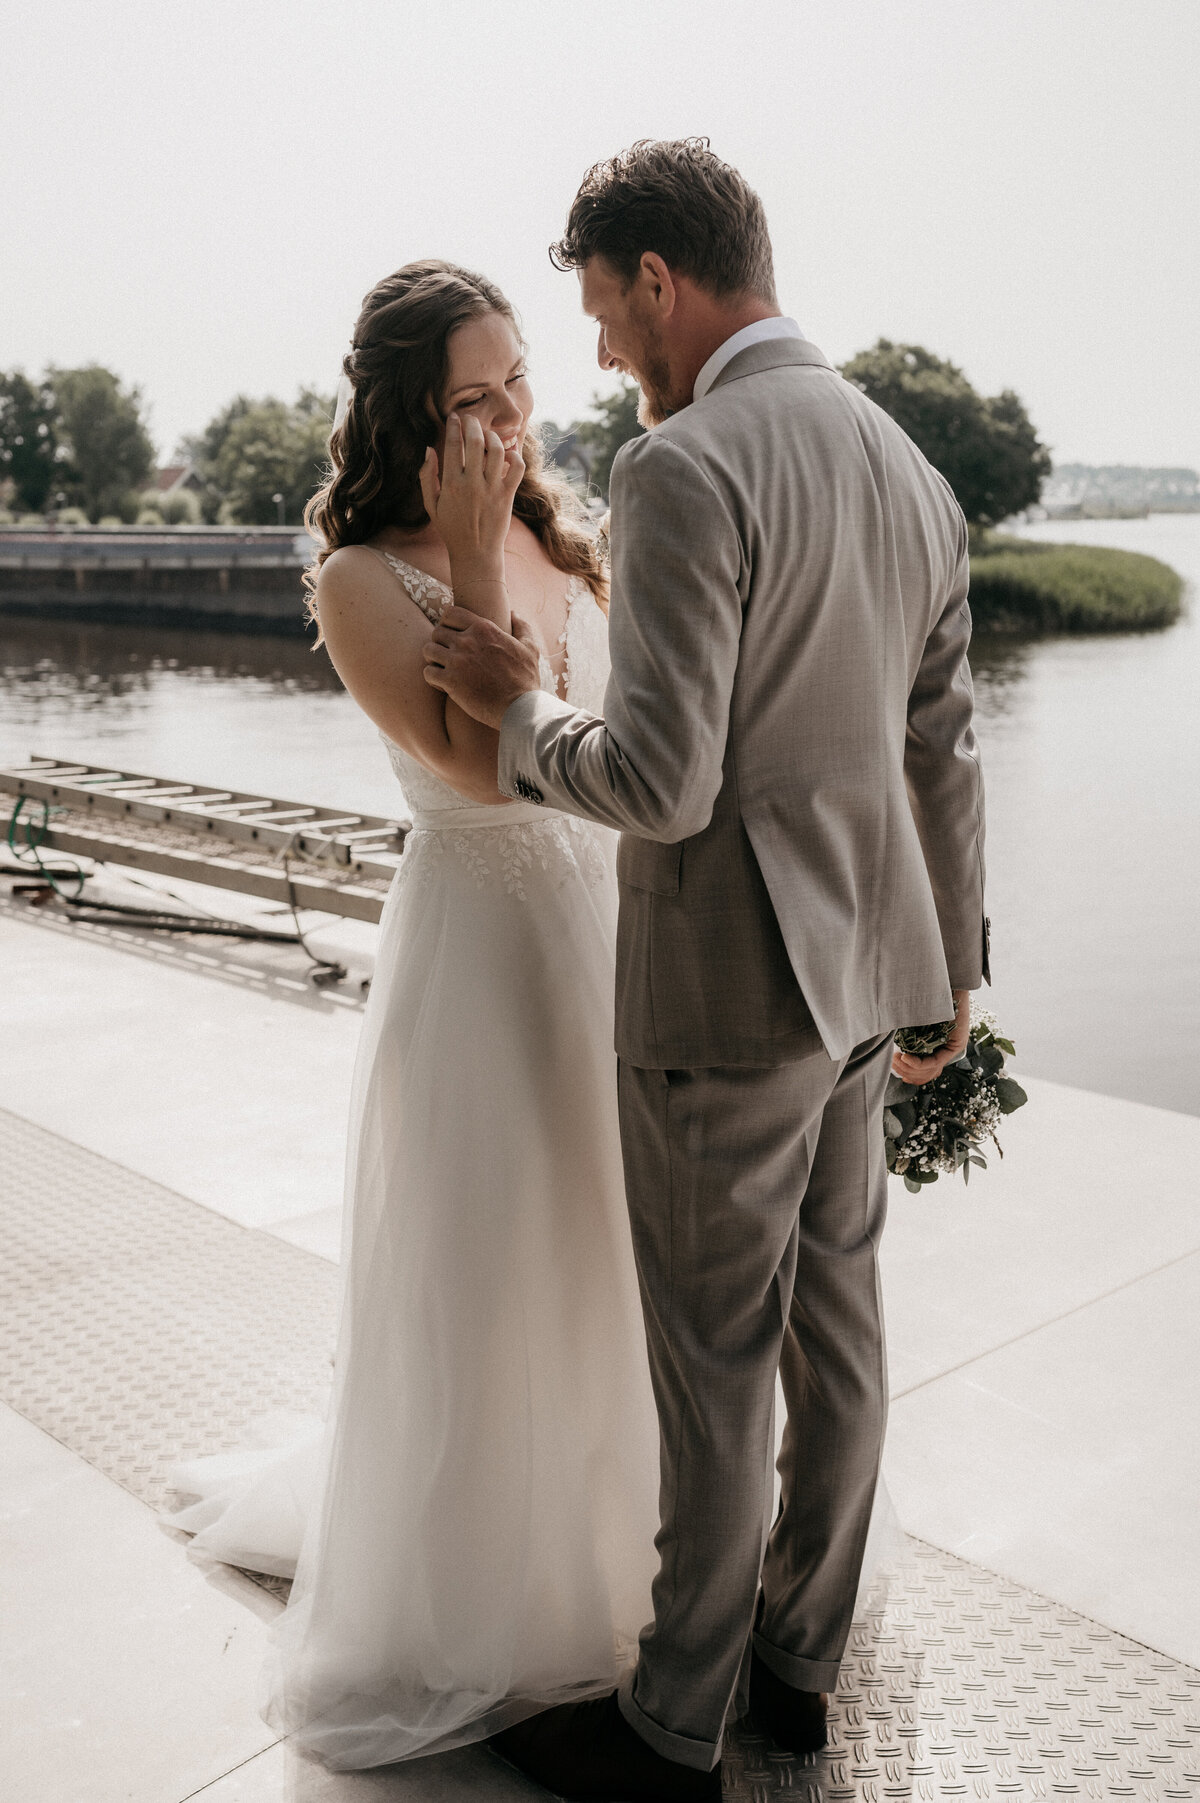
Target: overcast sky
<point>199,195</point>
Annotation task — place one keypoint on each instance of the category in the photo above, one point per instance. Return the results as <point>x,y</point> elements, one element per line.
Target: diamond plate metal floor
<point>959,1683</point>
<point>137,1328</point>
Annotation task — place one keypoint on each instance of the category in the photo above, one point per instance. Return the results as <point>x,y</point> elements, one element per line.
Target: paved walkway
<point>168,1182</point>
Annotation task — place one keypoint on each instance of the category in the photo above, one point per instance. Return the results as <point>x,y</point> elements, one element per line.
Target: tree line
<point>985,446</point>
<point>74,444</point>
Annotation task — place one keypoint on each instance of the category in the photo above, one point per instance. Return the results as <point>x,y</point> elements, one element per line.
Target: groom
<point>787,750</point>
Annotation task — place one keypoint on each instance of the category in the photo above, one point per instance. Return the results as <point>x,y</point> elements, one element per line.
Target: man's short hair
<point>673,197</point>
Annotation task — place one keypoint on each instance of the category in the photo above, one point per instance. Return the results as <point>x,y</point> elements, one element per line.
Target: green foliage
<point>941,1127</point>
<point>616,423</point>
<point>148,516</point>
<point>109,451</point>
<point>180,508</point>
<point>1020,585</point>
<point>987,449</point>
<point>28,441</point>
<point>253,450</point>
<point>202,451</point>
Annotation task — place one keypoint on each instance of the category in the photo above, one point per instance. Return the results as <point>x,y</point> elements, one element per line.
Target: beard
<point>657,400</point>
<point>654,401</point>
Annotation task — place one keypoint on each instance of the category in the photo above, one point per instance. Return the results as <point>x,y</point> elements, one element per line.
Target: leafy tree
<point>180,508</point>
<point>203,449</point>
<point>101,428</point>
<point>254,450</point>
<point>987,449</point>
<point>617,422</point>
<point>28,441</point>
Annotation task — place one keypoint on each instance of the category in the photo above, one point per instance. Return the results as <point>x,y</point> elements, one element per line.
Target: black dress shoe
<point>588,1753</point>
<point>795,1719</point>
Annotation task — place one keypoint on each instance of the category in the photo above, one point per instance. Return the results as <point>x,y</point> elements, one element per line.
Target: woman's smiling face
<point>486,378</point>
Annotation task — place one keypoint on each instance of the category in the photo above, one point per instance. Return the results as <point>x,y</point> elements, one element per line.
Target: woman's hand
<point>470,499</point>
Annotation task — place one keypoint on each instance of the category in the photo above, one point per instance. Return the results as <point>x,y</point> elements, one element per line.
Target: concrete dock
<point>172,1133</point>
<point>214,576</point>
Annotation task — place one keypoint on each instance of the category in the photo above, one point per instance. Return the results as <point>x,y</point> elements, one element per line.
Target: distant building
<point>1082,490</point>
<point>177,476</point>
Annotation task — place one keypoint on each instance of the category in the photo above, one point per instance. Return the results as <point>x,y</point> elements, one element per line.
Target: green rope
<point>35,833</point>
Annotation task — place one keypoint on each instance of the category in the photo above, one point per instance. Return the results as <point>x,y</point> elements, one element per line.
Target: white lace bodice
<point>584,639</point>
<point>504,846</point>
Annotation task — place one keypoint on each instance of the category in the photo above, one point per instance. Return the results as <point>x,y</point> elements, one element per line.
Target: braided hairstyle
<point>399,359</point>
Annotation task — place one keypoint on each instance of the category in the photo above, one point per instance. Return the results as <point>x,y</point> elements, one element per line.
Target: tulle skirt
<point>473,1527</point>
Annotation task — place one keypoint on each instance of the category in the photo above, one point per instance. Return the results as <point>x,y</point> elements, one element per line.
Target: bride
<point>479,1510</point>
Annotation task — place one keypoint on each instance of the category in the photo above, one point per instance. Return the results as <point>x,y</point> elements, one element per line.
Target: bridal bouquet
<point>942,1126</point>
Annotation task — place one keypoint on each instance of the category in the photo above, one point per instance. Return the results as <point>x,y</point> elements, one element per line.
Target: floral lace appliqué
<point>430,595</point>
<point>506,854</point>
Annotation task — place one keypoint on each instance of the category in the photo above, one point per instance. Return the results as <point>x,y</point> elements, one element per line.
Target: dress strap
<point>430,595</point>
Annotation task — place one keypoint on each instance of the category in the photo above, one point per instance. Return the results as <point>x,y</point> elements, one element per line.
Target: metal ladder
<point>349,846</point>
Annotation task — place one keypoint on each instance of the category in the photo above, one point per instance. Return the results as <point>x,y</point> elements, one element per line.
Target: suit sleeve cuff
<point>518,731</point>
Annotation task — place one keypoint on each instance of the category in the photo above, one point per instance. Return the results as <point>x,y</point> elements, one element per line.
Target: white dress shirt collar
<point>758,333</point>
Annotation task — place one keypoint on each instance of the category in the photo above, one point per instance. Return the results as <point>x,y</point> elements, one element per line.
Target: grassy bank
<point>1021,586</point>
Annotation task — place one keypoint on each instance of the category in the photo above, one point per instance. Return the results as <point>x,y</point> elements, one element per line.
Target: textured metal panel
<point>958,1683</point>
<point>139,1328</point>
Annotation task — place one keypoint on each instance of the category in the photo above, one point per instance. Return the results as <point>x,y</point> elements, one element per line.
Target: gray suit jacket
<point>786,743</point>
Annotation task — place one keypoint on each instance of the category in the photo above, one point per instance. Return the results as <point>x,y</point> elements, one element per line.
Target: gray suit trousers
<point>757,1199</point>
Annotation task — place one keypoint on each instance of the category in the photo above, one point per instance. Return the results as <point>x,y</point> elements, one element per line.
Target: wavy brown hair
<point>672,196</point>
<point>397,362</point>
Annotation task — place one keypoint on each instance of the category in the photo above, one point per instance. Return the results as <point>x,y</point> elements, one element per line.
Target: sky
<point>199,196</point>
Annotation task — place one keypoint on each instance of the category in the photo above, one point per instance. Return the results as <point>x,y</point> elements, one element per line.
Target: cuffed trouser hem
<point>700,1755</point>
<point>801,1674</point>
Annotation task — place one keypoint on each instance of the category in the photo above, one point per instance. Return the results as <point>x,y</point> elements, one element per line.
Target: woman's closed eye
<point>475,399</point>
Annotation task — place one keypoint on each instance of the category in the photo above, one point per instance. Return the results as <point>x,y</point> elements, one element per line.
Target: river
<point>1091,752</point>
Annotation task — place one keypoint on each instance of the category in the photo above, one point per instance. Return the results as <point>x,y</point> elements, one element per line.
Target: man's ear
<point>659,286</point>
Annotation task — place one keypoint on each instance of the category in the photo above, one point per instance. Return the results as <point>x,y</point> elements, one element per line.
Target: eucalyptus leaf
<point>1010,1095</point>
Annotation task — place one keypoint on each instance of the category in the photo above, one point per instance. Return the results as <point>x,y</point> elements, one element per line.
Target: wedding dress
<point>475,1521</point>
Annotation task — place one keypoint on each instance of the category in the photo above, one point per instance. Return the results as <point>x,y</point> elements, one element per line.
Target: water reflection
<point>61,656</point>
<point>1000,663</point>
<point>262,713</point>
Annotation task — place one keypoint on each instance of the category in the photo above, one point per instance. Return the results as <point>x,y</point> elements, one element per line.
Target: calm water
<point>1091,753</point>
